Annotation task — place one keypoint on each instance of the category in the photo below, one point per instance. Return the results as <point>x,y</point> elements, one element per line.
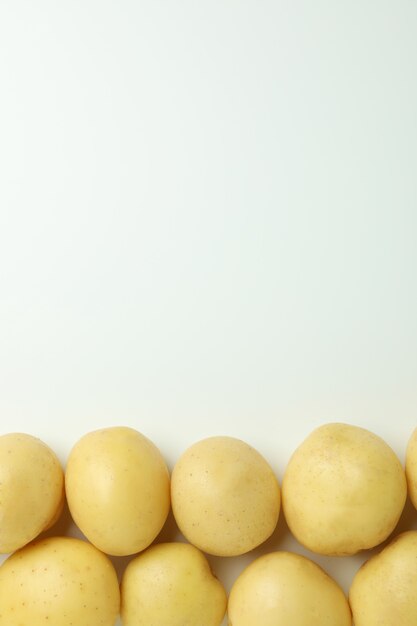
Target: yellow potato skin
<point>343,490</point>
<point>384,590</point>
<point>118,489</point>
<point>59,581</point>
<point>31,489</point>
<point>411,468</point>
<point>225,496</point>
<point>286,589</point>
<point>171,584</point>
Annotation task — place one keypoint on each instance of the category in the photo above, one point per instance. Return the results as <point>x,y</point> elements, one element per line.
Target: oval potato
<point>343,490</point>
<point>286,589</point>
<point>31,489</point>
<point>58,581</point>
<point>384,590</point>
<point>117,487</point>
<point>225,496</point>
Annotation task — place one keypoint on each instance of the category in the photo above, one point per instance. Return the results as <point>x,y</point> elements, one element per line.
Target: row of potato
<point>343,491</point>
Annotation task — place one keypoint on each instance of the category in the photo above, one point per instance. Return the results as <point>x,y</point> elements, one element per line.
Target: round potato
<point>31,489</point>
<point>58,581</point>
<point>343,491</point>
<point>282,589</point>
<point>225,496</point>
<point>117,487</point>
<point>384,590</point>
<point>411,467</point>
<point>171,584</point>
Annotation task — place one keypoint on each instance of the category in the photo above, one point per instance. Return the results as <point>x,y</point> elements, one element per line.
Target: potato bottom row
<point>64,581</point>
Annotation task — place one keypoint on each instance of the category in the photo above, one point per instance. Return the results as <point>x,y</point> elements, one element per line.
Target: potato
<point>411,467</point>
<point>343,490</point>
<point>286,589</point>
<point>31,489</point>
<point>117,487</point>
<point>225,496</point>
<point>384,590</point>
<point>61,582</point>
<point>171,584</point>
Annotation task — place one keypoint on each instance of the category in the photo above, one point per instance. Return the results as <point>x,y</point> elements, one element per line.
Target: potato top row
<point>343,491</point>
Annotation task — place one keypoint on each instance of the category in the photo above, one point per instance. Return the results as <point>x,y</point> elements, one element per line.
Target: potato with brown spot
<point>59,581</point>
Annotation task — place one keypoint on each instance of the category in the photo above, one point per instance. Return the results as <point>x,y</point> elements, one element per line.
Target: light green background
<point>208,221</point>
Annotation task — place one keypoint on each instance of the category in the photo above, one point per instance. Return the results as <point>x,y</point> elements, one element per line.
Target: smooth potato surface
<point>117,487</point>
<point>225,496</point>
<point>343,490</point>
<point>384,591</point>
<point>31,489</point>
<point>286,589</point>
<point>171,584</point>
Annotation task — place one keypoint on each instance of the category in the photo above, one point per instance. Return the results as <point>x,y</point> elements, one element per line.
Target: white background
<point>208,223</point>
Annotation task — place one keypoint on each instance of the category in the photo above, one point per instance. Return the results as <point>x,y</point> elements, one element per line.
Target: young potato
<point>61,582</point>
<point>171,584</point>
<point>117,487</point>
<point>343,491</point>
<point>384,590</point>
<point>31,489</point>
<point>225,496</point>
<point>411,467</point>
<point>286,589</point>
